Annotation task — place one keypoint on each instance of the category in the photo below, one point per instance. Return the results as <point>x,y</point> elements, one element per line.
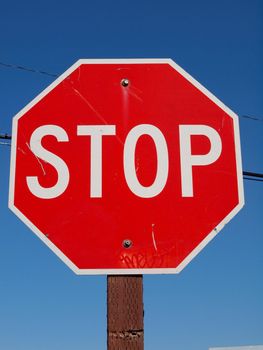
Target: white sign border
<point>125,271</point>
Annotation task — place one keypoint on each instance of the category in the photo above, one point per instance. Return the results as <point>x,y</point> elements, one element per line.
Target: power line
<point>5,143</point>
<point>251,174</point>
<point>5,136</point>
<point>251,118</point>
<point>27,69</point>
<point>252,179</point>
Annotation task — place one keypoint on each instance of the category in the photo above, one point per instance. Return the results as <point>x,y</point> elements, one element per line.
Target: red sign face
<point>126,166</point>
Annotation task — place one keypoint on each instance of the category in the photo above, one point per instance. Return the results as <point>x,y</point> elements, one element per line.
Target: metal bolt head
<point>127,243</point>
<point>125,82</point>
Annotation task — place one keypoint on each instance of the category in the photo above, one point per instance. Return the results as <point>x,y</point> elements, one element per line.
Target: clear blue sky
<point>217,300</point>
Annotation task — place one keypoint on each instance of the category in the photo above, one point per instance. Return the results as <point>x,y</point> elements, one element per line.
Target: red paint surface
<point>90,231</point>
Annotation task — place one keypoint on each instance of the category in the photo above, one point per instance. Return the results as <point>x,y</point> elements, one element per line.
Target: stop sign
<point>126,166</point>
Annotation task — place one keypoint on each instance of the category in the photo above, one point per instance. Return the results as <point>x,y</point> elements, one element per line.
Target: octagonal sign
<point>126,166</point>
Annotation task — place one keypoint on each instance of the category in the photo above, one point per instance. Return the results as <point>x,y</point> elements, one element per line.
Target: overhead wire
<point>251,118</point>
<point>252,174</point>
<point>252,179</point>
<point>27,69</point>
<point>5,136</point>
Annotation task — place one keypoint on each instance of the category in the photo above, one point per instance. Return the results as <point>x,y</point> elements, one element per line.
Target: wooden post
<point>125,313</point>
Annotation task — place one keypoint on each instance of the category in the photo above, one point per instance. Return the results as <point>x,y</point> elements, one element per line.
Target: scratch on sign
<point>41,165</point>
<point>153,237</point>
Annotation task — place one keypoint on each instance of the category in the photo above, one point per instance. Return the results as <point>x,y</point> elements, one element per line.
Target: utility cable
<point>32,70</point>
<point>5,136</point>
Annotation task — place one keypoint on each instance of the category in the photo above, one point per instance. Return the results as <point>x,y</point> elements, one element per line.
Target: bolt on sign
<point>126,166</point>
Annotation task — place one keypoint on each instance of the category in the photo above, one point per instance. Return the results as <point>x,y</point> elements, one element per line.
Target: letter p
<point>188,160</point>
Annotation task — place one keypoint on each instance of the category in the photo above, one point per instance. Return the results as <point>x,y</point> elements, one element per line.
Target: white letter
<point>96,132</point>
<point>51,158</point>
<point>188,159</point>
<point>162,161</point>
